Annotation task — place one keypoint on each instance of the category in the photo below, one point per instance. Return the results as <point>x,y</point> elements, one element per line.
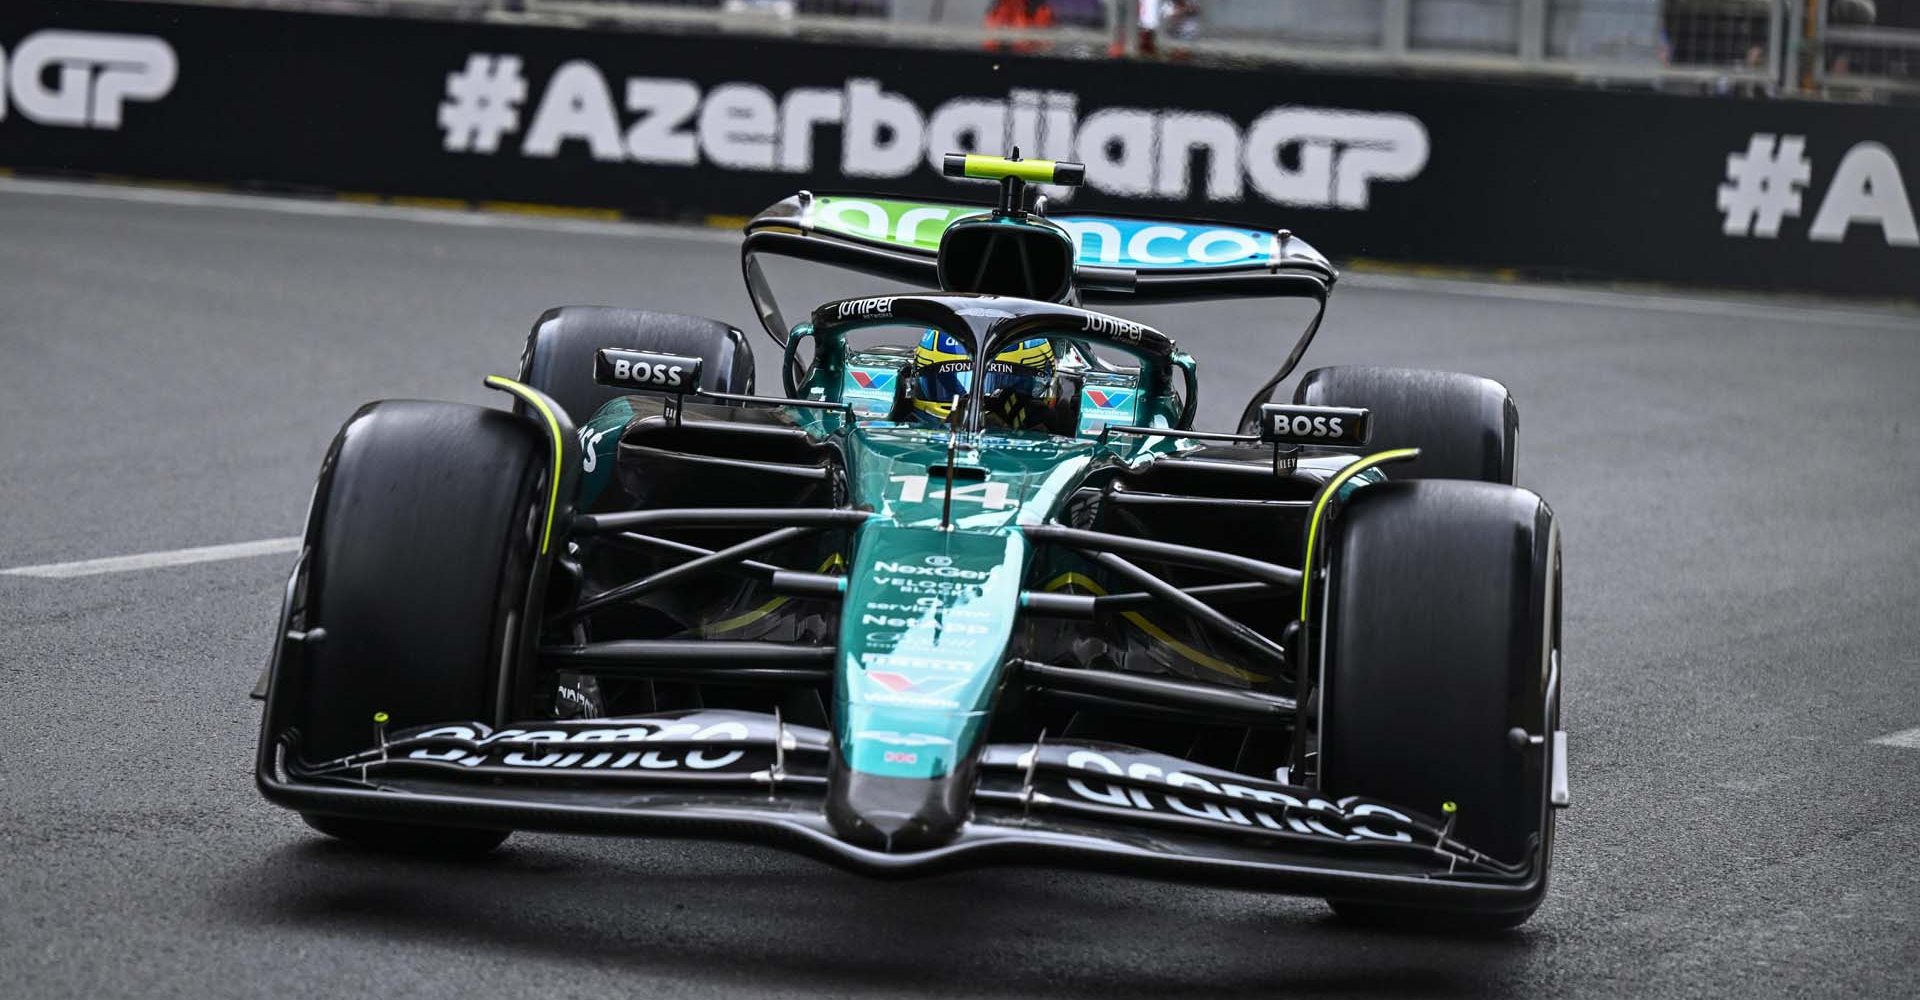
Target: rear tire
<point>1442,626</point>
<point>560,349</point>
<point>1465,426</point>
<point>421,555</point>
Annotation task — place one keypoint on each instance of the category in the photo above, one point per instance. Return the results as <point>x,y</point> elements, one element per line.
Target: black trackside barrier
<point>1551,178</point>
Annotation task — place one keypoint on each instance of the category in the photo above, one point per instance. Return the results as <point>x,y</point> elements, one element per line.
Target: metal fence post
<point>1815,77</point>
<point>1787,73</point>
<point>1396,27</point>
<point>1533,30</point>
<point>1776,17</point>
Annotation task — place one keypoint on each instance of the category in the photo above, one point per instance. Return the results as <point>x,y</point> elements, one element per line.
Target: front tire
<point>1441,638</point>
<point>421,549</point>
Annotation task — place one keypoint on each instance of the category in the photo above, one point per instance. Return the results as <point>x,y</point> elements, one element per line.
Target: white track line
<point>1698,304</point>
<point>1730,307</point>
<point>359,210</point>
<point>155,560</point>
<point>1905,739</point>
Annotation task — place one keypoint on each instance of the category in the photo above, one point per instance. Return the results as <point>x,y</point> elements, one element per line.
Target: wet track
<point>1736,480</point>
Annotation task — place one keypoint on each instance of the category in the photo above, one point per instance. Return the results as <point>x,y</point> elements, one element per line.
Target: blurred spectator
<point>1149,14</point>
<point>1179,19</point>
<point>1020,14</point>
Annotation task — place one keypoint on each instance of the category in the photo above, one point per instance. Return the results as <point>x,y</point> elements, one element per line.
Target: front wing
<point>746,777</point>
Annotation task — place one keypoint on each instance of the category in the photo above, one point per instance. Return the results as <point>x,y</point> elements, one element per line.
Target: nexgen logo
<point>83,79</point>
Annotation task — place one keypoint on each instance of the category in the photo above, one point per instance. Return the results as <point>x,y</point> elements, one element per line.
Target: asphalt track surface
<point>1736,479</point>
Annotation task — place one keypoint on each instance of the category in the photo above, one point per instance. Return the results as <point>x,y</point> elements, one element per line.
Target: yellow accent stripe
<point>746,618</point>
<point>553,433</point>
<point>1320,507</point>
<point>1141,622</point>
<point>415,201</point>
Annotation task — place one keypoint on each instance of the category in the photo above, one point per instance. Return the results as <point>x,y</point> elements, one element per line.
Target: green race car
<point>971,589</point>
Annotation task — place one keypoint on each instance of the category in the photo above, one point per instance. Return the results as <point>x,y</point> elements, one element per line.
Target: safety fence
<point>1540,176</point>
<point>1847,49</point>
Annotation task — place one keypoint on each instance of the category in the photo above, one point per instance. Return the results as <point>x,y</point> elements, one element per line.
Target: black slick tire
<point>1465,426</point>
<point>421,544</point>
<point>1441,630</point>
<point>558,359</point>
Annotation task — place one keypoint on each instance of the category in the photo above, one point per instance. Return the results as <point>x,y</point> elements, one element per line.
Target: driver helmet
<point>1019,383</point>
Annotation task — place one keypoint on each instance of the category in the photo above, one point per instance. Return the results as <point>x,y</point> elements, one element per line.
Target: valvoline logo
<point>903,684</point>
<point>873,380</point>
<point>1111,399</point>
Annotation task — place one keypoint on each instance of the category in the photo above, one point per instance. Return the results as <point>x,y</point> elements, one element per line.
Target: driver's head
<point>1019,383</point>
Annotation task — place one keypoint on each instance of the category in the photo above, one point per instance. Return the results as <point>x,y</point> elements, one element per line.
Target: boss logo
<point>643,370</point>
<point>1324,425</point>
<point>1303,426</point>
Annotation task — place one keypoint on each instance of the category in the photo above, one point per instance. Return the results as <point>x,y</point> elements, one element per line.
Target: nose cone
<point>896,814</point>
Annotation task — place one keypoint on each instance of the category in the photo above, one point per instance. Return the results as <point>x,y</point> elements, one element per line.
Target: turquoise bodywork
<point>930,609</point>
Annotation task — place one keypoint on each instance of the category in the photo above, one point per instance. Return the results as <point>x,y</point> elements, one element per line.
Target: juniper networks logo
<point>84,79</point>
<point>1290,155</point>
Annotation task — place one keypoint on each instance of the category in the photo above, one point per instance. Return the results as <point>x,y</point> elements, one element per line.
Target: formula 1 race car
<point>904,626</point>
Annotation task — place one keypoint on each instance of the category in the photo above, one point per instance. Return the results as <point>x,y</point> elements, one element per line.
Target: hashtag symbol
<point>1764,184</point>
<point>483,103</point>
